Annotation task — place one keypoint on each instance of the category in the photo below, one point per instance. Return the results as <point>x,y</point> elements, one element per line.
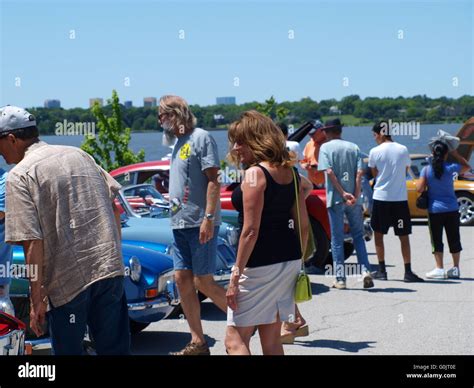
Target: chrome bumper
<point>39,344</point>
<point>13,343</point>
<point>157,303</point>
<point>168,298</point>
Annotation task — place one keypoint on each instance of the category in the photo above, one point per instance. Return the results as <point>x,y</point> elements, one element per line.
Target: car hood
<point>153,230</point>
<point>150,256</point>
<point>157,230</point>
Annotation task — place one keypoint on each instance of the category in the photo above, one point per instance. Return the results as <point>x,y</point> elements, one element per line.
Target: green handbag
<point>303,285</point>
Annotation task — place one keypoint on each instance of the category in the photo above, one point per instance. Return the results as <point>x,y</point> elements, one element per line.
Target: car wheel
<point>348,251</point>
<point>466,208</point>
<point>322,244</point>
<point>176,313</point>
<point>137,327</point>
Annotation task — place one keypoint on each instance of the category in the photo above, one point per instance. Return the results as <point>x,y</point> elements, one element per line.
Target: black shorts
<point>391,213</point>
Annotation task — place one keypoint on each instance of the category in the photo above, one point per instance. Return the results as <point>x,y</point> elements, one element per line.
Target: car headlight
<point>135,268</point>
<point>164,279</point>
<point>6,306</point>
<point>232,235</point>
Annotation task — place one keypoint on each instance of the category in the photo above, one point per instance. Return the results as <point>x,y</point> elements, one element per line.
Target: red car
<point>316,204</point>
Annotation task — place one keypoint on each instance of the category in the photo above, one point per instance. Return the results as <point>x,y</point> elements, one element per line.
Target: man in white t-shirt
<point>295,147</point>
<point>389,162</point>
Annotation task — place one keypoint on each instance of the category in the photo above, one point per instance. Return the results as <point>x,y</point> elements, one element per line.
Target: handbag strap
<point>425,175</point>
<point>298,217</point>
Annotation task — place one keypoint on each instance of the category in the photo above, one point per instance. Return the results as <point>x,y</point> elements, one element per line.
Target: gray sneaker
<point>339,284</point>
<point>453,273</point>
<point>367,279</point>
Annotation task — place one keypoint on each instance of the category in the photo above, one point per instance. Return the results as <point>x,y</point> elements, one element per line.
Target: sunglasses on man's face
<point>161,116</point>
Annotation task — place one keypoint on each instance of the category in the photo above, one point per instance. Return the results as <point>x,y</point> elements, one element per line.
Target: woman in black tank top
<point>261,289</point>
<point>276,242</point>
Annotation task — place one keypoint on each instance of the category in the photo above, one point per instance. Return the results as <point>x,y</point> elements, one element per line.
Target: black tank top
<point>277,240</point>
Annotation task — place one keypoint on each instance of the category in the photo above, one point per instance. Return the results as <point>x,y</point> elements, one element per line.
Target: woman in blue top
<point>443,209</point>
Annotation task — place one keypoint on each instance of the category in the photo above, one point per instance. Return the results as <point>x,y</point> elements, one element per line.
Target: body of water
<point>362,136</point>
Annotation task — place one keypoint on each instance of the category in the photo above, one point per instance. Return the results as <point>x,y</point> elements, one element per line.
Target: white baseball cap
<point>13,117</point>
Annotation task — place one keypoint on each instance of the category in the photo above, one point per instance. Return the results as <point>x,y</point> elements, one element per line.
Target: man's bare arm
<point>374,171</point>
<point>34,256</point>
<point>117,219</point>
<point>358,183</point>
<point>213,189</point>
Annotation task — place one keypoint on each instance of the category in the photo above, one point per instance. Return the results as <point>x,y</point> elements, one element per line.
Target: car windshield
<point>146,201</point>
<point>417,165</point>
<point>145,192</point>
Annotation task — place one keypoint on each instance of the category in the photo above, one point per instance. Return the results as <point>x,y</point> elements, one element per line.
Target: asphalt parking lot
<point>431,318</point>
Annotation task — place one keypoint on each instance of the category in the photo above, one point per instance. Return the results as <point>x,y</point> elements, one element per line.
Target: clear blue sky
<point>228,39</point>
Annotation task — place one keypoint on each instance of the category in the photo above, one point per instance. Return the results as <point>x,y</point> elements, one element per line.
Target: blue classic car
<point>147,225</point>
<point>149,286</point>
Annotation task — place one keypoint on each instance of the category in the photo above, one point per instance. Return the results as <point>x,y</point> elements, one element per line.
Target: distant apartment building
<point>225,100</point>
<point>52,104</point>
<point>93,100</point>
<point>128,104</point>
<point>149,102</point>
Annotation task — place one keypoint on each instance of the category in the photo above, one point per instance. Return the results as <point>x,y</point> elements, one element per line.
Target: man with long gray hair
<point>194,193</point>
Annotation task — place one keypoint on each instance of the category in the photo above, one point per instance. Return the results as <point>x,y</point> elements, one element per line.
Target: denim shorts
<point>189,253</point>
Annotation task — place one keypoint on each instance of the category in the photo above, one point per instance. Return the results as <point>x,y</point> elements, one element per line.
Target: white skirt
<point>265,293</point>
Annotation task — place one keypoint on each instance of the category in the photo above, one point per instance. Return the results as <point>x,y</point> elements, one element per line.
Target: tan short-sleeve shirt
<point>58,194</point>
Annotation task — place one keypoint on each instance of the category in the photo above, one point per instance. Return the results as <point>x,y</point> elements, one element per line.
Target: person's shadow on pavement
<point>162,342</point>
<point>344,346</point>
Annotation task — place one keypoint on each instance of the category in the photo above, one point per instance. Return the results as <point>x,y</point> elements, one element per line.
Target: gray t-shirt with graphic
<point>192,154</point>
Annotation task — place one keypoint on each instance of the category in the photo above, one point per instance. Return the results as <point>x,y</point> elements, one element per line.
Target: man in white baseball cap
<point>13,117</point>
<point>60,208</point>
<point>21,123</point>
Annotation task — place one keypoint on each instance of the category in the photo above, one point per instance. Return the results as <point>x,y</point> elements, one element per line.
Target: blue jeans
<point>103,308</point>
<point>356,222</point>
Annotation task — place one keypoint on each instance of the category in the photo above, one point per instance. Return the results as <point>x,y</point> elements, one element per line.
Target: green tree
<point>271,109</point>
<point>110,147</point>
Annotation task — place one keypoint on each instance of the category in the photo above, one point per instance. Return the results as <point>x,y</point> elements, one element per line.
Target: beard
<point>169,138</point>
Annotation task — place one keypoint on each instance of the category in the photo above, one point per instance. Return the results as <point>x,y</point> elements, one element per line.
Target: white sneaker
<point>437,273</point>
<point>453,273</point>
<point>339,284</point>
